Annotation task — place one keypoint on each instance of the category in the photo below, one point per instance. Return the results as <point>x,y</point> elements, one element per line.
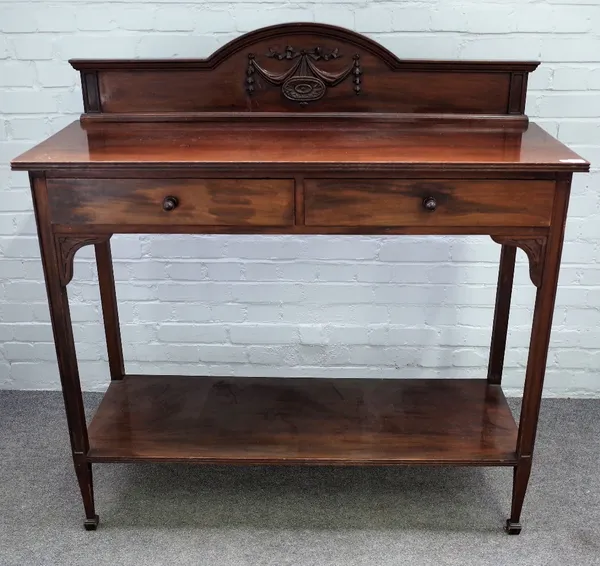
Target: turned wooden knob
<point>429,203</point>
<point>170,203</point>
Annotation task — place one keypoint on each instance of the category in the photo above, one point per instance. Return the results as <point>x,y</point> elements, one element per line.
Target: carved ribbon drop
<point>304,81</point>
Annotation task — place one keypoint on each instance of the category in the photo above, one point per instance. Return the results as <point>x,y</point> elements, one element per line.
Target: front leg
<point>60,316</point>
<point>538,351</point>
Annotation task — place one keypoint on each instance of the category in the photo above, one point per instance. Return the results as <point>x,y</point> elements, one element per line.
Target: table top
<point>296,143</point>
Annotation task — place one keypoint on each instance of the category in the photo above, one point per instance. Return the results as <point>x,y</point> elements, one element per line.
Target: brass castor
<point>91,524</point>
<point>512,528</point>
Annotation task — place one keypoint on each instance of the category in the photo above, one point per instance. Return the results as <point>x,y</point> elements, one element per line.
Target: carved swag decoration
<point>304,81</point>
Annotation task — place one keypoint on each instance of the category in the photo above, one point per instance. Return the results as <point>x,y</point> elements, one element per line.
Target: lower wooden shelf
<point>303,421</point>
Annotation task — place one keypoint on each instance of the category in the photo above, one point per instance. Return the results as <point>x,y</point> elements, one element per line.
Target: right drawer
<point>423,202</point>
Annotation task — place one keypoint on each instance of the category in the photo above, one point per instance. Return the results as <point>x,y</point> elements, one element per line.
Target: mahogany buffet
<point>302,129</point>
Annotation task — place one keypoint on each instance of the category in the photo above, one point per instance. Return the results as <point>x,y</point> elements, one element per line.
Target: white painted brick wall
<point>286,305</point>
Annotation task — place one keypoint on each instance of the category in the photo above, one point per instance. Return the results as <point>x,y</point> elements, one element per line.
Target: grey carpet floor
<point>176,514</point>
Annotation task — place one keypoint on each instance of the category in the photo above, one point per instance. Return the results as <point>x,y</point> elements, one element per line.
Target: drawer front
<point>421,202</point>
<point>210,202</point>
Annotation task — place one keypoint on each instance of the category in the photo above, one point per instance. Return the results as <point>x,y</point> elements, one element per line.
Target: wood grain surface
<point>297,147</point>
<point>401,202</point>
<point>303,420</point>
<point>216,202</point>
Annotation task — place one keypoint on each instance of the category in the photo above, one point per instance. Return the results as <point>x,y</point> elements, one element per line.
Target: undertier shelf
<point>303,421</point>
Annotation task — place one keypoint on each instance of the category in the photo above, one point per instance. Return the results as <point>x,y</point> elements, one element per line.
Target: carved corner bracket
<point>304,81</point>
<point>67,247</point>
<point>534,247</point>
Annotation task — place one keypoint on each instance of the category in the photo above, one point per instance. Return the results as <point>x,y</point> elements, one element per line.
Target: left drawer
<point>206,202</point>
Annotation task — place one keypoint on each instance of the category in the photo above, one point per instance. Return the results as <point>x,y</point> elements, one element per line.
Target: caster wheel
<point>91,524</point>
<point>512,528</point>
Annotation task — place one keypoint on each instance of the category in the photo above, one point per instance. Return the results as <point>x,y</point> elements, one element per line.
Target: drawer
<point>421,202</point>
<point>210,202</point>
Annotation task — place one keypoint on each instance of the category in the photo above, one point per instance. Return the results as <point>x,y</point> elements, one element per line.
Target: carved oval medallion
<point>303,89</point>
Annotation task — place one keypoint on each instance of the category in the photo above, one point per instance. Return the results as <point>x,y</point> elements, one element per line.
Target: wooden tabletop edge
<point>584,167</point>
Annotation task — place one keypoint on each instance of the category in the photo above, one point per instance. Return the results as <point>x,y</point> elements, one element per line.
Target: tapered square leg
<point>521,475</point>
<point>108,297</point>
<point>501,314</point>
<point>62,329</point>
<point>538,351</point>
<point>86,485</point>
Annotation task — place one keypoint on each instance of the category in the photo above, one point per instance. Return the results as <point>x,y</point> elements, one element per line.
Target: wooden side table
<point>302,129</point>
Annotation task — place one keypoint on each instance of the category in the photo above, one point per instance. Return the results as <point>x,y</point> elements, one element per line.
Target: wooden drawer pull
<point>429,203</point>
<point>170,203</point>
